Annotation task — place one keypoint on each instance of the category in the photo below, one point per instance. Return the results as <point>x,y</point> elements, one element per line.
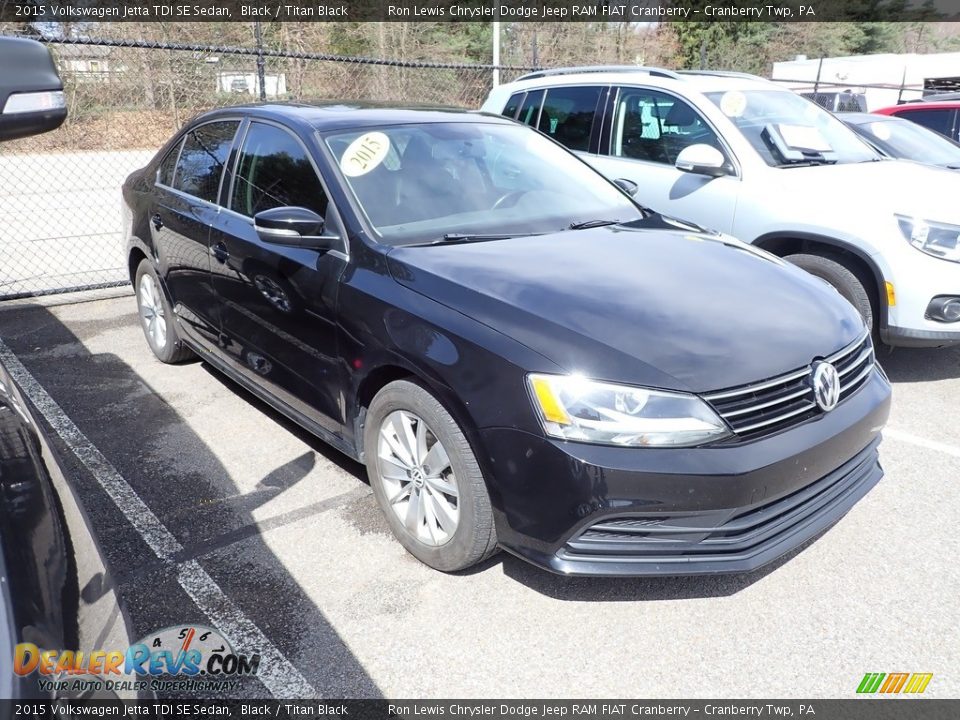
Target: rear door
<point>183,208</point>
<point>644,131</point>
<point>278,303</point>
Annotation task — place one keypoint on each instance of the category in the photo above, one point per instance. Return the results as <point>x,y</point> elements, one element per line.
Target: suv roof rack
<point>655,71</point>
<point>940,97</point>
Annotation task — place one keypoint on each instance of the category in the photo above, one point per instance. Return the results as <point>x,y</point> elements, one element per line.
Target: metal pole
<point>261,63</point>
<point>496,47</point>
<point>816,83</point>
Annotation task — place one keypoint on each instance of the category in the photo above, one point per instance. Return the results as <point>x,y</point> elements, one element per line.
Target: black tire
<point>474,538</point>
<point>849,282</point>
<point>172,350</point>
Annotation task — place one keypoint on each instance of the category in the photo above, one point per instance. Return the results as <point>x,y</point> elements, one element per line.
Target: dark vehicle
<point>55,590</point>
<point>521,355</point>
<point>905,140</point>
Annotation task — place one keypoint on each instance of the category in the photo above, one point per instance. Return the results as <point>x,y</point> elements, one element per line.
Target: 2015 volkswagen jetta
<point>521,355</point>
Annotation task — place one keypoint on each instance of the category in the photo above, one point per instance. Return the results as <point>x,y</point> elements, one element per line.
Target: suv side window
<point>530,109</point>
<point>567,115</point>
<point>513,104</point>
<point>937,119</point>
<point>202,159</point>
<point>653,126</point>
<point>275,171</point>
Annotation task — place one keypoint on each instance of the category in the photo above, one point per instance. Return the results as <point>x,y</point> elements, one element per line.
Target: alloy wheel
<point>418,479</point>
<point>151,312</point>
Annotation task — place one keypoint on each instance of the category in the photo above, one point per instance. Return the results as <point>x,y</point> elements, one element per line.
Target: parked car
<point>941,117</point>
<point>521,355</point>
<point>56,592</point>
<point>905,140</point>
<point>743,156</point>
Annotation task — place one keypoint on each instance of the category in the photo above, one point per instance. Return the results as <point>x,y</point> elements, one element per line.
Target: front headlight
<point>575,408</point>
<point>934,238</point>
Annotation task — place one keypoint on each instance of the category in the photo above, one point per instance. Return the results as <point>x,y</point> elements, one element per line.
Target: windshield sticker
<point>364,154</point>
<point>804,137</point>
<point>880,130</point>
<point>733,103</point>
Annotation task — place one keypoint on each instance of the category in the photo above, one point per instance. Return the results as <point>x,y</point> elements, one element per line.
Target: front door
<point>648,129</point>
<point>278,303</point>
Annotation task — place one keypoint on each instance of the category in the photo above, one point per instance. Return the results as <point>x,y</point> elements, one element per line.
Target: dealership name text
<point>547,710</point>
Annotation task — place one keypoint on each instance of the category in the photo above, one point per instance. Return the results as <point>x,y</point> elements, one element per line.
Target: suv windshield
<point>787,130</point>
<point>421,183</point>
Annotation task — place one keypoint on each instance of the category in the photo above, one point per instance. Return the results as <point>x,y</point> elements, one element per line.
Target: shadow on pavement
<point>203,506</point>
<point>920,364</point>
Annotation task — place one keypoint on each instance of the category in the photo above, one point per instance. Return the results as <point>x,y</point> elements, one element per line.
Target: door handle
<point>219,251</point>
<point>157,221</point>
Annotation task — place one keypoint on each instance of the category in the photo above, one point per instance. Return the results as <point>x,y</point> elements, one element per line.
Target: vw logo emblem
<point>826,385</point>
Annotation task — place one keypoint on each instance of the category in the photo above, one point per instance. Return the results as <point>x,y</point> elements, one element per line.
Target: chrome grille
<point>778,403</point>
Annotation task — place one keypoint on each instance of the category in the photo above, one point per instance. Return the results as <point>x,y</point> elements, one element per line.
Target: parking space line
<point>922,442</point>
<point>277,673</point>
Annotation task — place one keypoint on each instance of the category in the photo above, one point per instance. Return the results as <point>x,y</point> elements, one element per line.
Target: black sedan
<point>903,139</point>
<point>523,357</point>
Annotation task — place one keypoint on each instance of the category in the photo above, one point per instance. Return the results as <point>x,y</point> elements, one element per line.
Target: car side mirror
<point>628,186</point>
<point>31,92</point>
<point>294,226</point>
<point>702,159</point>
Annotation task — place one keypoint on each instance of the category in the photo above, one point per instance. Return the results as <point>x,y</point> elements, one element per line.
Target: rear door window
<point>202,159</point>
<point>568,113</point>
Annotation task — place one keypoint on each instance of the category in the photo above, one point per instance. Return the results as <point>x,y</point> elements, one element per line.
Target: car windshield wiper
<point>454,238</point>
<point>591,224</point>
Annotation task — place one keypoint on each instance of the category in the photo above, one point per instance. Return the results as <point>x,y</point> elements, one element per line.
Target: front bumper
<point>579,509</point>
<point>906,337</point>
<point>917,279</point>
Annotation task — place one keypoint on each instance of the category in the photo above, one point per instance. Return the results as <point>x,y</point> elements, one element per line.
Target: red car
<point>942,117</point>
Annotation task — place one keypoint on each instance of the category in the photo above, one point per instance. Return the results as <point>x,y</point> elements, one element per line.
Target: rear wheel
<point>426,479</point>
<point>156,317</point>
<point>849,282</point>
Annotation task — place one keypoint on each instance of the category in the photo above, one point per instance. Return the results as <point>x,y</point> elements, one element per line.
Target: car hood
<point>900,186</point>
<point>675,310</point>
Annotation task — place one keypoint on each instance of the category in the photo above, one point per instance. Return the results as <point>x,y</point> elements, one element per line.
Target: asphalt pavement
<point>241,520</point>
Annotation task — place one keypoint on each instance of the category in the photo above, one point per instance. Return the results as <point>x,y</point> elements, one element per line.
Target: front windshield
<point>789,130</point>
<point>905,139</point>
<point>421,183</point>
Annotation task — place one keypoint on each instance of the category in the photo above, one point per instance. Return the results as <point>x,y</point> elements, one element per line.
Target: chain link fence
<point>60,226</point>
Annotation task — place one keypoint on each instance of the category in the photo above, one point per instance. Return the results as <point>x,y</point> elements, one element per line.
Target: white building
<point>884,79</point>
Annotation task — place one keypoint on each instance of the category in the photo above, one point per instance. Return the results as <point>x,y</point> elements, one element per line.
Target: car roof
<point>920,106</point>
<point>701,81</point>
<point>341,115</point>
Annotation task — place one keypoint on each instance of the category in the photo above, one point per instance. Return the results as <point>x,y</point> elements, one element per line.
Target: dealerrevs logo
<point>181,652</point>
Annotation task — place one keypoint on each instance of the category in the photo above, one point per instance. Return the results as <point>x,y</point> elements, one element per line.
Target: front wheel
<point>426,479</point>
<point>848,282</point>
<point>156,317</point>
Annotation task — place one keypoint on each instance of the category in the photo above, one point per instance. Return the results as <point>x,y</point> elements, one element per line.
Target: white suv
<point>738,154</point>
